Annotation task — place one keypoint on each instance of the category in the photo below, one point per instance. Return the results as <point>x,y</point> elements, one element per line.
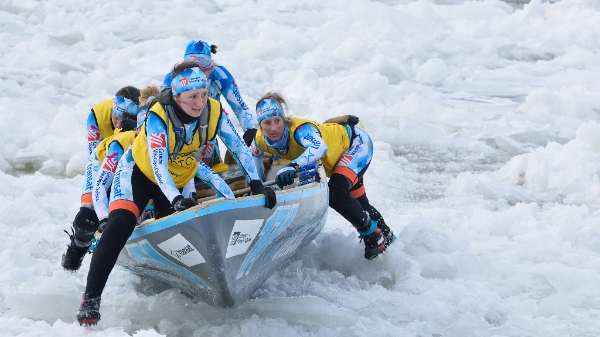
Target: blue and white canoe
<point>221,251</point>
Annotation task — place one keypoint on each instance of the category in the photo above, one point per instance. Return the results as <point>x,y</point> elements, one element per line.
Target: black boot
<point>89,311</point>
<point>82,233</point>
<point>374,241</point>
<point>72,258</point>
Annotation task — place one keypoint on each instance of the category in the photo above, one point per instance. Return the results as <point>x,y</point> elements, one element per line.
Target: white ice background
<point>484,116</point>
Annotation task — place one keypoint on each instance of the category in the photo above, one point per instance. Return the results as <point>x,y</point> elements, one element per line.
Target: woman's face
<point>273,127</point>
<point>116,120</point>
<point>192,102</point>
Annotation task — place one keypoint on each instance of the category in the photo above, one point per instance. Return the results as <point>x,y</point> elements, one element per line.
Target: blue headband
<point>123,105</point>
<point>266,109</point>
<point>189,79</point>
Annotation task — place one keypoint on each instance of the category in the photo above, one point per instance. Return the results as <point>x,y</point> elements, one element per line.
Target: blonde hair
<point>147,92</point>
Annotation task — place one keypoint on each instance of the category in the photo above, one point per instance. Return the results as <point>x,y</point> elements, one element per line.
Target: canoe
<point>223,250</point>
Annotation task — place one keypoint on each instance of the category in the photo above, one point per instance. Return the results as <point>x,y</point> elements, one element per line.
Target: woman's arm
<point>212,179</point>
<point>232,95</point>
<point>310,138</point>
<point>237,147</point>
<point>258,157</point>
<point>104,179</point>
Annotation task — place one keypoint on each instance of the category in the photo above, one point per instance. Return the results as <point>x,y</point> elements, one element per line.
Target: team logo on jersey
<point>93,133</point>
<point>158,140</point>
<point>254,149</point>
<point>110,162</point>
<point>313,140</point>
<point>345,160</point>
<point>208,149</point>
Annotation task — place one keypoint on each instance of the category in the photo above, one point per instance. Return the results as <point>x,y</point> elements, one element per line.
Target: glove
<point>102,225</point>
<point>352,120</point>
<point>249,136</point>
<point>128,125</point>
<point>257,187</point>
<point>180,203</point>
<point>285,176</point>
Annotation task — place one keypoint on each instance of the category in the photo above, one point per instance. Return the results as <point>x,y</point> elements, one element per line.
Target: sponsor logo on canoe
<point>240,238</point>
<point>151,262</point>
<point>242,235</point>
<point>181,249</point>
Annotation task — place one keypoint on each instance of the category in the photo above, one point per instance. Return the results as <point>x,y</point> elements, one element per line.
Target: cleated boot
<point>85,226</point>
<point>387,232</point>
<point>73,257</point>
<point>374,241</point>
<point>89,311</point>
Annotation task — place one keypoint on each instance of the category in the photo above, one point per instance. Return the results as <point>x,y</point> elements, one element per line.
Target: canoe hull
<point>221,251</point>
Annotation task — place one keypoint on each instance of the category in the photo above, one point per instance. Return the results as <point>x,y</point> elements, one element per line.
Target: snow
<point>484,116</point>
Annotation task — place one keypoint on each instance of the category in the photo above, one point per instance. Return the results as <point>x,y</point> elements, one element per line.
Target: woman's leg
<point>359,193</point>
<point>345,182</point>
<point>124,210</point>
<point>345,204</point>
<point>120,225</point>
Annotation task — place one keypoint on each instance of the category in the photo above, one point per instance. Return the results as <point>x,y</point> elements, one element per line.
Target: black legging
<point>344,203</point>
<point>351,208</point>
<point>119,227</point>
<point>373,212</point>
